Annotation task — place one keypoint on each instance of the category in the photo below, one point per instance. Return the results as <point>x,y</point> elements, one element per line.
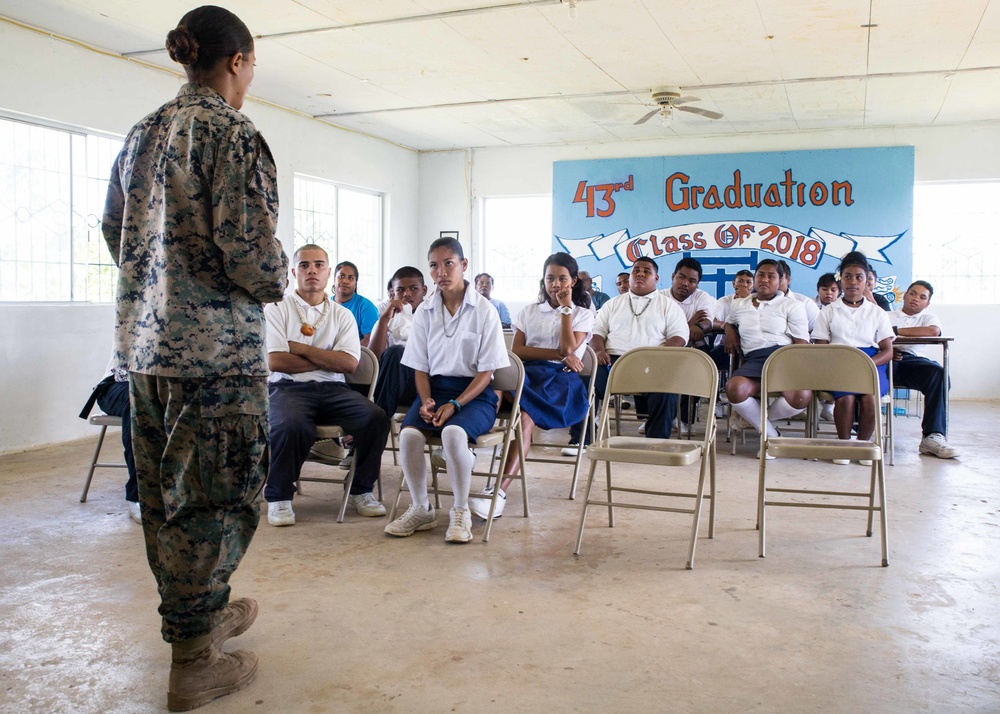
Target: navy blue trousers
<point>297,407</point>
<point>113,401</point>
<point>927,377</point>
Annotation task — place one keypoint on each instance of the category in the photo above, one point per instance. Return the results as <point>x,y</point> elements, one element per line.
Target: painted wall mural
<point>807,208</point>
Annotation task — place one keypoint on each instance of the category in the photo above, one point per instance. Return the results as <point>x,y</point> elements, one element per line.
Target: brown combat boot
<point>200,672</point>
<point>236,619</point>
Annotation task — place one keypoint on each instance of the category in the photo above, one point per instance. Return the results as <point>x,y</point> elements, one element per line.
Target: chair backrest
<point>367,371</point>
<point>670,370</point>
<point>589,363</point>
<point>827,368</point>
<point>510,378</point>
<point>508,339</point>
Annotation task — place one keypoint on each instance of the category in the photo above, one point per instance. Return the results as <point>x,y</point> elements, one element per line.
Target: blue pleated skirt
<point>476,418</point>
<point>554,399</point>
<point>883,377</point>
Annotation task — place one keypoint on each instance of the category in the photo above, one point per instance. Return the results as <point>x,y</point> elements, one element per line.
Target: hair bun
<point>182,46</point>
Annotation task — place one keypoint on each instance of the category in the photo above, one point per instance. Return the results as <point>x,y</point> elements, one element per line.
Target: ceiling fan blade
<point>686,100</point>
<point>647,117</point>
<point>701,112</point>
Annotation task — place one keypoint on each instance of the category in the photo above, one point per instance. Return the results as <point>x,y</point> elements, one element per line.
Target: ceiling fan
<point>669,98</point>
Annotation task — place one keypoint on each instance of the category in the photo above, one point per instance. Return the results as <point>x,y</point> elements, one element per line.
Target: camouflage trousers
<point>201,453</point>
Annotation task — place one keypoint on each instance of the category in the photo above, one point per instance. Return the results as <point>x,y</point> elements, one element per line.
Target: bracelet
<point>458,407</point>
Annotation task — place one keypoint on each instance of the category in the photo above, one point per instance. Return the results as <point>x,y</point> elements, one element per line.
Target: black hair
<point>855,257</point>
<point>923,284</point>
<point>768,261</point>
<point>826,280</point>
<point>206,35</point>
<point>691,264</point>
<point>647,259</point>
<point>451,244</point>
<point>482,275</point>
<point>580,296</point>
<point>621,274</point>
<point>741,273</point>
<point>348,264</point>
<point>407,271</point>
<point>311,246</point>
<point>783,270</point>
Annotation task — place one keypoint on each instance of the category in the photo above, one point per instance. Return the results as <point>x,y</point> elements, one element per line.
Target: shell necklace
<point>307,329</point>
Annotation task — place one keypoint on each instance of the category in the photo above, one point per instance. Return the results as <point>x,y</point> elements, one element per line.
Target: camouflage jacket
<point>190,220</point>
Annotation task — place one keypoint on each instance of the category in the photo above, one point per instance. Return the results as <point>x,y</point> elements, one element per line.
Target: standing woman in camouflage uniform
<point>190,220</point>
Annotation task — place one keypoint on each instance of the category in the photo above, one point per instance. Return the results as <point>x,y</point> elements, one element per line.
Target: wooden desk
<point>943,341</point>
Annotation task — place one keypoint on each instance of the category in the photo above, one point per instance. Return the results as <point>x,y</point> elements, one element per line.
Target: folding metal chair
<point>103,421</point>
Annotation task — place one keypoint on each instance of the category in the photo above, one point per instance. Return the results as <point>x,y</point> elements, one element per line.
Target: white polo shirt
<point>541,326</point>
<point>809,305</point>
<point>722,307</point>
<point>862,326</point>
<point>400,324</point>
<point>898,318</point>
<point>339,332</point>
<point>774,322</point>
<point>459,345</point>
<point>629,321</point>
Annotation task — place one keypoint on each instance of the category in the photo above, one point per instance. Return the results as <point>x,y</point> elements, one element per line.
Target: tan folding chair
<point>589,369</point>
<point>505,434</point>
<point>670,370</point>
<point>365,375</point>
<point>103,421</point>
<point>839,368</point>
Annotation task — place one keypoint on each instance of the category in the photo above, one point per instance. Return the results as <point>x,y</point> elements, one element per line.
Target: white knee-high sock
<point>750,410</point>
<point>460,461</point>
<point>780,409</point>
<point>411,453</point>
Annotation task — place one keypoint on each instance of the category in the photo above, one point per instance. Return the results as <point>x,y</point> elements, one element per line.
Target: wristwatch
<point>565,310</point>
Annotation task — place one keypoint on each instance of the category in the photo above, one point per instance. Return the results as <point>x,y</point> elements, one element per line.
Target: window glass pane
<point>952,245</point>
<point>52,188</point>
<point>517,238</point>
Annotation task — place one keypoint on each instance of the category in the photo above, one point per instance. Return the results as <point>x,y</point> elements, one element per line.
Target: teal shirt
<point>364,311</point>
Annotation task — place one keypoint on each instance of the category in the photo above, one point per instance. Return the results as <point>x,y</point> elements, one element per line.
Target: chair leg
<point>761,487</point>
<point>524,473</point>
<point>871,499</point>
<point>586,503</point>
<point>711,505</point>
<point>699,496</point>
<point>611,508</point>
<point>399,494</point>
<point>93,465</point>
<point>347,491</point>
<point>883,514</point>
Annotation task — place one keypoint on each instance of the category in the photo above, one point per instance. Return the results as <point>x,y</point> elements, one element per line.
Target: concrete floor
<point>353,620</point>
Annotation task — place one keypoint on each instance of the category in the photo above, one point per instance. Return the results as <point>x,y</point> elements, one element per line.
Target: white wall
<point>53,354</point>
<point>951,153</point>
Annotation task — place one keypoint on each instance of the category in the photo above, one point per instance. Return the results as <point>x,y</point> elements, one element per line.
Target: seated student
<point>873,296</point>
<point>346,277</point>
<point>111,395</point>
<point>853,320</point>
<point>812,310</point>
<point>643,317</point>
<point>550,336</point>
<point>758,325</point>
<point>597,298</point>
<point>912,369</point>
<point>827,290</point>
<point>484,286</point>
<point>311,343</point>
<point>395,384</point>
<point>455,345</point>
<point>621,282</point>
<point>699,310</point>
<point>742,287</point>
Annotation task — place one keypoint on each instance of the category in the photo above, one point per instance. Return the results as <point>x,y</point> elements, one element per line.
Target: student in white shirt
<point>827,290</point>
<point>853,320</point>
<point>643,317</point>
<point>312,342</point>
<point>758,325</point>
<point>912,369</point>
<point>742,287</point>
<point>621,282</point>
<point>455,344</point>
<point>550,337</point>
<point>395,384</point>
<point>809,305</point>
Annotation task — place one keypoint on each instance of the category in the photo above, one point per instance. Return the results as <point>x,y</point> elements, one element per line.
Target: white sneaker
<point>366,504</point>
<point>720,410</point>
<point>480,503</point>
<point>842,462</point>
<point>642,428</point>
<point>685,429</point>
<point>134,512</point>
<point>416,518</point>
<point>571,450</point>
<point>348,460</point>
<point>769,457</point>
<point>936,445</point>
<point>460,527</point>
<point>438,459</point>
<point>865,462</point>
<point>826,413</point>
<point>280,513</point>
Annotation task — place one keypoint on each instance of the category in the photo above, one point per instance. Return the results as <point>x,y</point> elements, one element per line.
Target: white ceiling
<point>520,74</point>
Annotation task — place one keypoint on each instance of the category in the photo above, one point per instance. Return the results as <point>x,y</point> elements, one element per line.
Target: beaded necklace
<point>307,329</point>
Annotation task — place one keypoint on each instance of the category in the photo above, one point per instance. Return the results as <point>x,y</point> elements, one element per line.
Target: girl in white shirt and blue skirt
<point>455,344</point>
<point>550,337</point>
